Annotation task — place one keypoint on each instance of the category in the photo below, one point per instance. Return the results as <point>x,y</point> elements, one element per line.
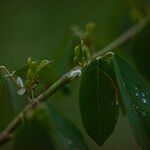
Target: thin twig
<point>68,77</point>
<point>6,135</point>
<point>124,37</point>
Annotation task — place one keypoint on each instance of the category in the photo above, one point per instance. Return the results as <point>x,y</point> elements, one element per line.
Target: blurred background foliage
<point>42,29</point>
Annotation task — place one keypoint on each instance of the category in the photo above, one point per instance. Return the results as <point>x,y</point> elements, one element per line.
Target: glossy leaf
<point>97,97</point>
<point>136,100</point>
<point>47,129</point>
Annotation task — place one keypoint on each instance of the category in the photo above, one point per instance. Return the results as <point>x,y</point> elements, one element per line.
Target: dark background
<point>42,29</point>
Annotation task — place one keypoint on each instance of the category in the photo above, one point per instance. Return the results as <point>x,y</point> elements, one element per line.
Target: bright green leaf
<point>98,107</point>
<point>135,98</point>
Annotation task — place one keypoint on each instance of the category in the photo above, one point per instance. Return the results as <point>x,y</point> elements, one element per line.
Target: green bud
<point>30,75</point>
<point>83,60</point>
<point>77,50</point>
<point>34,63</point>
<point>29,61</point>
<point>27,84</point>
<point>75,60</point>
<point>85,51</point>
<point>43,63</point>
<point>33,66</point>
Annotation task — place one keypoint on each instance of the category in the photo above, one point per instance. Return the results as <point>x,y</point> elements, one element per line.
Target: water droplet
<point>144,100</point>
<point>136,94</point>
<point>68,141</point>
<point>143,94</point>
<point>143,113</point>
<point>136,113</point>
<point>136,118</point>
<point>136,88</point>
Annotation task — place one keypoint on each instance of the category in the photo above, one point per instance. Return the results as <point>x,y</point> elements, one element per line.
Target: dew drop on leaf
<point>136,94</point>
<point>143,114</point>
<point>143,94</point>
<point>136,88</point>
<point>136,107</point>
<point>144,100</point>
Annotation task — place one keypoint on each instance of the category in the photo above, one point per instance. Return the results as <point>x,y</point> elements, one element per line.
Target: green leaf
<point>136,100</point>
<point>46,76</point>
<point>47,129</point>
<point>34,134</point>
<point>67,135</point>
<point>10,102</point>
<point>97,98</point>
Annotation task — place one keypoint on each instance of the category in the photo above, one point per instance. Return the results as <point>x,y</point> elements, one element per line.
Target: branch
<point>124,37</point>
<point>68,77</point>
<point>6,135</point>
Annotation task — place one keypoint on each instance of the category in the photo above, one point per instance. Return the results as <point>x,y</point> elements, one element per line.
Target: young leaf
<point>97,100</point>
<point>46,74</point>
<point>136,100</point>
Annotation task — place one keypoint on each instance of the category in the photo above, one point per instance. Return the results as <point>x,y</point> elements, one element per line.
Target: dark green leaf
<point>136,100</point>
<point>98,107</point>
<point>10,102</point>
<point>46,129</point>
<point>66,134</point>
<point>34,134</point>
